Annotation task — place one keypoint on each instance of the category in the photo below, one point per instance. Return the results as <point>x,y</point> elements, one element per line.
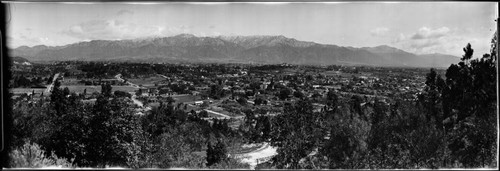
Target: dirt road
<point>51,85</point>
<point>257,156</point>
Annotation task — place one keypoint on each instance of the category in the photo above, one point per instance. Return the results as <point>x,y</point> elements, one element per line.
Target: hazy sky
<point>422,27</point>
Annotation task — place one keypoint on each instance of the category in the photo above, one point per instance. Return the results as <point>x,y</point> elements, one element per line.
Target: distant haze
<point>415,27</point>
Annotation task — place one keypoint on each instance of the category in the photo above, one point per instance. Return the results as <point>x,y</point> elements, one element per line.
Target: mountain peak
<point>265,40</point>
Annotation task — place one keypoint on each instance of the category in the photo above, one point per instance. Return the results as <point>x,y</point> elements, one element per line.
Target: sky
<point>416,27</point>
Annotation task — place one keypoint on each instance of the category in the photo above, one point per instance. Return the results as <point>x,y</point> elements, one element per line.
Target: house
<point>264,85</point>
<point>153,100</point>
<point>202,88</point>
<point>239,91</point>
<point>90,101</point>
<point>152,90</point>
<point>142,92</point>
<point>195,93</point>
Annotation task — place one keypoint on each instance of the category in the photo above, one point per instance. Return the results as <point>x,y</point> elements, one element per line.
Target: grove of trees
<point>64,130</point>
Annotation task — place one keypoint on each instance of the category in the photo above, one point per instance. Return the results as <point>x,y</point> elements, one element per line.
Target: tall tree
<point>470,108</point>
<point>296,133</point>
<point>217,153</point>
<point>106,90</point>
<point>431,98</point>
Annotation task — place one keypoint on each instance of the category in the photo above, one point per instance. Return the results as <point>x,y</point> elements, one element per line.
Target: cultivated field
<point>70,81</point>
<point>92,89</point>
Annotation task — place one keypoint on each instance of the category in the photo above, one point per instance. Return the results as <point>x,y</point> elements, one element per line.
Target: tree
<point>138,92</point>
<point>347,143</point>
<point>332,99</point>
<point>258,101</point>
<point>204,104</point>
<point>249,116</point>
<point>217,153</point>
<point>296,133</point>
<point>106,90</point>
<point>249,93</point>
<point>262,129</point>
<point>407,142</point>
<point>119,93</point>
<point>58,99</point>
<point>170,100</point>
<point>355,103</point>
<point>112,127</point>
<point>469,105</point>
<point>284,93</point>
<point>468,53</point>
<point>267,127</point>
<point>298,94</point>
<point>242,101</point>
<point>431,98</point>
<point>171,150</point>
<point>216,91</point>
<point>379,112</point>
<point>49,80</point>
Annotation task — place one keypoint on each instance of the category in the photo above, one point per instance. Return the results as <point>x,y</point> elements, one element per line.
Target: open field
<point>26,90</point>
<point>146,81</point>
<point>124,88</point>
<point>341,74</point>
<point>185,98</point>
<point>70,81</point>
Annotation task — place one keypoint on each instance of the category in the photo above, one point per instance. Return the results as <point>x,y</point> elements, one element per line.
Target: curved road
<point>257,156</point>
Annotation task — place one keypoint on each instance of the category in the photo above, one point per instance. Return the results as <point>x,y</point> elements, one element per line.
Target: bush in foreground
<point>31,156</point>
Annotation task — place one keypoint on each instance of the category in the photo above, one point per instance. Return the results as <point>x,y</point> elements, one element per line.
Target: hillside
<point>20,61</point>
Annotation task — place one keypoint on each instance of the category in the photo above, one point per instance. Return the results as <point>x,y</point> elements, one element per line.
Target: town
<point>223,90</point>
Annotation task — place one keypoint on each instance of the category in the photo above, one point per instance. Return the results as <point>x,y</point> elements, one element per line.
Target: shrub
<point>30,155</point>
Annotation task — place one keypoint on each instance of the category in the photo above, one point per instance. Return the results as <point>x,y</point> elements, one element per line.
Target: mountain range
<point>231,49</point>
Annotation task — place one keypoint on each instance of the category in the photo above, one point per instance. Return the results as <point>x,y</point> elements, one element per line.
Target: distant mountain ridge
<point>224,49</point>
